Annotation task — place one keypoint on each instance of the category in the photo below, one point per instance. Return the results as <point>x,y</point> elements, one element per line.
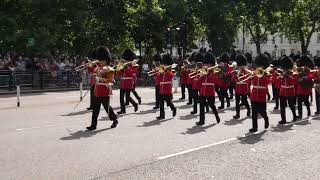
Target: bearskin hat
<point>317,61</point>
<point>262,61</point>
<point>92,54</point>
<point>241,60</point>
<point>128,55</point>
<point>198,57</point>
<point>157,57</point>
<point>296,57</point>
<point>286,62</point>
<point>209,58</point>
<point>191,58</point>
<point>305,61</point>
<point>225,58</point>
<point>268,55</point>
<point>249,57</point>
<point>102,53</point>
<point>167,59</point>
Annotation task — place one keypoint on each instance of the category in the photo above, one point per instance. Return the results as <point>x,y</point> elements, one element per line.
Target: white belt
<point>126,78</point>
<point>168,82</point>
<point>241,83</point>
<point>259,87</point>
<point>104,84</point>
<point>208,84</point>
<point>287,87</point>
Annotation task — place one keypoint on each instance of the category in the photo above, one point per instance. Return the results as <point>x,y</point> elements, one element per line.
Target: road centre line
<point>218,143</point>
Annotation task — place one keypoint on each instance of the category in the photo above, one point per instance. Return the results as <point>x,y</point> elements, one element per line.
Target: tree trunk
<point>258,45</point>
<point>304,49</point>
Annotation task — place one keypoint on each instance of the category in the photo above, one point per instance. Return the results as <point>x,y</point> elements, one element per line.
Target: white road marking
<point>36,127</point>
<point>196,149</point>
<point>65,97</point>
<point>252,149</point>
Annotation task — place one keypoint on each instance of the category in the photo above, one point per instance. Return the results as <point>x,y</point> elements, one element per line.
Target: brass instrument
<point>205,70</point>
<point>161,69</point>
<point>106,74</point>
<point>84,66</point>
<point>122,65</point>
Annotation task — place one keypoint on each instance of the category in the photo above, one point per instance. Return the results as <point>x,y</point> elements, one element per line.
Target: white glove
<point>97,79</point>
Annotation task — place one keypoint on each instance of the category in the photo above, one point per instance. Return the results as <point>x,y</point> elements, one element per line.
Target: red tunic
<point>126,78</point>
<point>222,83</point>
<point>166,82</point>
<point>184,74</point>
<point>136,71</point>
<point>196,82</point>
<point>241,87</point>
<point>102,89</point>
<point>207,85</point>
<point>302,90</point>
<point>92,70</point>
<point>259,89</point>
<point>287,86</point>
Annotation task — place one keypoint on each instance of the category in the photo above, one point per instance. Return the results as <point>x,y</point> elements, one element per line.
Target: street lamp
<point>275,51</point>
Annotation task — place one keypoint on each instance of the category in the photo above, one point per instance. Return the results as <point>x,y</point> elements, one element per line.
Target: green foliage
<point>300,21</point>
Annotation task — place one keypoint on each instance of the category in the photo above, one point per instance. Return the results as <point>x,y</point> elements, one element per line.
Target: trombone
<point>122,65</point>
<point>84,66</point>
<point>161,69</point>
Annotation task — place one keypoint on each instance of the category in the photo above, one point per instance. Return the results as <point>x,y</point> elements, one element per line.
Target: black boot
<point>91,128</point>
<point>174,112</point>
<point>236,116</point>
<point>253,130</point>
<point>114,124</point>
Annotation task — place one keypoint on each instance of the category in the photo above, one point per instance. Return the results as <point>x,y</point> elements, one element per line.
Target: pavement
<point>45,138</point>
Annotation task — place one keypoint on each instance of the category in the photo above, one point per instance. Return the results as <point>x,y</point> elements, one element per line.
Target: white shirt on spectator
<point>145,67</point>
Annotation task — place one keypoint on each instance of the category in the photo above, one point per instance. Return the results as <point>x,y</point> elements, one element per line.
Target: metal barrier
<point>34,80</point>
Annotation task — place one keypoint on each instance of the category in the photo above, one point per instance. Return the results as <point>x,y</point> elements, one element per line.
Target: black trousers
<point>168,99</point>
<point>305,100</point>
<point>204,101</point>
<point>283,102</point>
<point>231,90</point>
<point>259,108</point>
<point>276,95</point>
<point>183,91</point>
<point>134,92</point>
<point>105,101</point>
<point>195,98</point>
<point>92,97</point>
<point>244,100</point>
<point>318,101</point>
<point>223,94</point>
<point>126,93</point>
<point>189,86</point>
<point>157,96</point>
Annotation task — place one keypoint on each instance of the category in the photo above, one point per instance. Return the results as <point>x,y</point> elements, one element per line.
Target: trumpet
<point>161,69</point>
<point>121,65</point>
<point>84,66</point>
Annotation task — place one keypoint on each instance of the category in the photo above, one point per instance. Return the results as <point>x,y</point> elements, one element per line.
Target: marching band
<point>292,84</point>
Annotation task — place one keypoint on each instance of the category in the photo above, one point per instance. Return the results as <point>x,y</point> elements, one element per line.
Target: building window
<point>274,40</point>
<point>318,38</point>
<point>281,40</point>
<point>283,52</point>
<point>318,53</point>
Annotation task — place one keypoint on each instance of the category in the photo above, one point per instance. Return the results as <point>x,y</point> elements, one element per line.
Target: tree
<point>259,18</point>
<point>221,22</point>
<point>300,21</point>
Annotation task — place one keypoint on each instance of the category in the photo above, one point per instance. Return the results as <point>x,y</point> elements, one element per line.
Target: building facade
<point>276,45</point>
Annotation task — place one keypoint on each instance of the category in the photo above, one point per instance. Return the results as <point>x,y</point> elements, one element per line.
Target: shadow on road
<point>189,117</point>
<point>83,134</point>
<point>274,112</point>
<point>235,121</point>
<point>77,113</point>
<point>198,129</point>
<point>281,128</point>
<point>252,138</point>
<point>147,111</point>
<point>316,118</point>
<point>154,122</point>
<point>184,106</point>
<point>303,123</point>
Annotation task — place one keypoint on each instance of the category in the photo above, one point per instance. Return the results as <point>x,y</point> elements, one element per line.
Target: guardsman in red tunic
<point>184,73</point>
<point>126,74</point>
<point>288,81</point>
<point>103,87</point>
<point>165,78</point>
<point>91,70</point>
<point>194,76</point>
<point>154,73</point>
<point>275,85</point>
<point>135,68</point>
<point>259,92</point>
<point>305,83</point>
<point>224,79</point>
<point>242,88</point>
<point>316,76</point>
<point>208,80</point>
